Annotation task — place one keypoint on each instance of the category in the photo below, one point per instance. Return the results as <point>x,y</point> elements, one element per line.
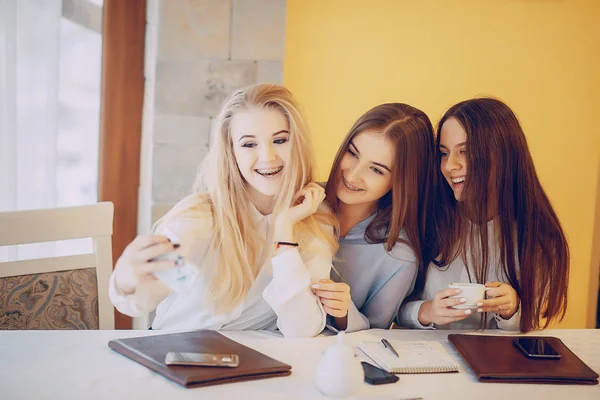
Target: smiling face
<point>262,149</point>
<point>366,170</point>
<point>453,152</point>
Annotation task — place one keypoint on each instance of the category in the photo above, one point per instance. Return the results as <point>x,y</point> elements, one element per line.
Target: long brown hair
<point>410,131</point>
<point>501,178</point>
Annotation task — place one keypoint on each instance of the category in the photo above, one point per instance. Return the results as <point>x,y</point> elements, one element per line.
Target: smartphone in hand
<point>179,278</point>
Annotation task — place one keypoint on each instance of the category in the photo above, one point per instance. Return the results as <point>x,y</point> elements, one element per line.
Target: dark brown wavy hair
<point>502,184</point>
<point>406,205</point>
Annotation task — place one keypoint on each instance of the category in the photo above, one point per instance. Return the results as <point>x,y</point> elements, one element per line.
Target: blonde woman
<point>256,236</point>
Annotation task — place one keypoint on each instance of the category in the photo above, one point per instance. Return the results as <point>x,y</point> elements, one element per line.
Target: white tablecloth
<point>80,365</point>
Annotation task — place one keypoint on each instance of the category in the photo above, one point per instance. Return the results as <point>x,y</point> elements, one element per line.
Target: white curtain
<point>49,112</point>
<point>29,72</point>
<point>29,79</point>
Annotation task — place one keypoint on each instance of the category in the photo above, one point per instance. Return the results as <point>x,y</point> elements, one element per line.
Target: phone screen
<point>377,376</point>
<point>536,347</point>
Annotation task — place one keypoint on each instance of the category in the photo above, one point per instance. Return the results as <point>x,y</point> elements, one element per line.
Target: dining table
<point>78,364</point>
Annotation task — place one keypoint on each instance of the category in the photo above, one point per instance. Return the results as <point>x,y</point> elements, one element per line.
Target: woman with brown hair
<point>379,187</point>
<point>495,225</point>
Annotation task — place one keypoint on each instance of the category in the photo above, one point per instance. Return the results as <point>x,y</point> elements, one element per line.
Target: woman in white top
<point>495,225</point>
<point>380,188</point>
<point>256,236</point>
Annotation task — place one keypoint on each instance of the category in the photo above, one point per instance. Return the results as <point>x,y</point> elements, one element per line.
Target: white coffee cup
<point>473,292</point>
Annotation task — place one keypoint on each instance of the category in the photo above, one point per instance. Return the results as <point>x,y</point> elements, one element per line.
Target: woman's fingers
<point>304,209</point>
<point>317,193</point>
<point>496,289</point>
<point>326,294</point>
<point>315,187</point>
<point>452,313</point>
<point>314,199</point>
<point>322,196</point>
<point>497,292</point>
<point>450,302</point>
<point>144,241</point>
<point>334,312</point>
<point>496,309</point>
<point>333,295</point>
<point>496,301</point>
<point>312,188</point>
<point>494,284</point>
<point>442,294</point>
<point>154,251</point>
<point>497,304</point>
<point>305,203</point>
<point>331,286</point>
<point>154,266</point>
<point>334,304</point>
<point>325,281</point>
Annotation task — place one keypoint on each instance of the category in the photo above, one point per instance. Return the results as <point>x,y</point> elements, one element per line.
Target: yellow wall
<point>540,56</point>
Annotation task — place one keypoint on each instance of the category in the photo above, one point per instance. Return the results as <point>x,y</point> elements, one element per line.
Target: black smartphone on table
<point>536,347</point>
<point>377,376</point>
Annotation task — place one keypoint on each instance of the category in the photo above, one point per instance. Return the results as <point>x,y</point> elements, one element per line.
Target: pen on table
<point>389,346</point>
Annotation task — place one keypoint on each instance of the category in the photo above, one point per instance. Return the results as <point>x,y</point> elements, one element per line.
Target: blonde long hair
<point>236,245</point>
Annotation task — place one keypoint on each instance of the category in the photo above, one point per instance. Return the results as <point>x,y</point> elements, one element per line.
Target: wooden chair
<point>66,292</point>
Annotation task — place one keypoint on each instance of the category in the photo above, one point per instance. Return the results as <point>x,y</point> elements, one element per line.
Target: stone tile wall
<point>197,52</point>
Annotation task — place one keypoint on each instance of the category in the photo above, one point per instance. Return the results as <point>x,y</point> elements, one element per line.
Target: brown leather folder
<point>150,351</point>
<point>496,359</point>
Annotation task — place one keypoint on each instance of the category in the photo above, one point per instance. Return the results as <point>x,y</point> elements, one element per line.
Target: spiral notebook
<point>414,357</point>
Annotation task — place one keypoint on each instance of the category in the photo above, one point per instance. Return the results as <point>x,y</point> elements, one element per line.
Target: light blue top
<point>379,281</point>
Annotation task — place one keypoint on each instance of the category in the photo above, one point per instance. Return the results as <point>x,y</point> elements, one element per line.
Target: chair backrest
<point>60,276</point>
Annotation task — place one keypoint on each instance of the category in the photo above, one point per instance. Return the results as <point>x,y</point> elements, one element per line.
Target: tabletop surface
<point>79,364</point>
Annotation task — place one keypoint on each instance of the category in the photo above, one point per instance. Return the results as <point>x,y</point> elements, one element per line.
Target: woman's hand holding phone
<point>137,265</point>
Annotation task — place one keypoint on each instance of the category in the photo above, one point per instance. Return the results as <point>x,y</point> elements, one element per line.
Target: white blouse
<point>438,279</point>
<point>279,298</point>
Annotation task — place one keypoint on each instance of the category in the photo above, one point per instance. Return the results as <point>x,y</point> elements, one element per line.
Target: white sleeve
<point>408,315</point>
<point>299,311</point>
<point>356,321</point>
<point>145,299</point>
<point>126,304</point>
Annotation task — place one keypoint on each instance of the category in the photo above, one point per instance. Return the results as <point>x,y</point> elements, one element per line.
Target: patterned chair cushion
<point>55,300</point>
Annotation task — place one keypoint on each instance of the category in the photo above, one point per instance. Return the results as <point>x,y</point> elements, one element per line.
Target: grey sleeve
<point>512,324</point>
<point>382,307</point>
<point>408,315</point>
